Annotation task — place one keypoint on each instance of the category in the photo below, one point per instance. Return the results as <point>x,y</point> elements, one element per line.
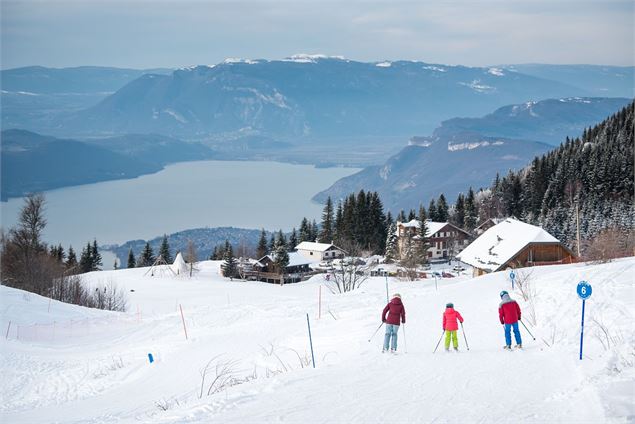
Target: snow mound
<point>179,266</point>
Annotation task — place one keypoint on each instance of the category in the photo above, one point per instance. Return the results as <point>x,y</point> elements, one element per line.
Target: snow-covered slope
<point>98,371</point>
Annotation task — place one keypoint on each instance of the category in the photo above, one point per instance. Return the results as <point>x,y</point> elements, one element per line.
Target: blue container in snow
<point>150,358</point>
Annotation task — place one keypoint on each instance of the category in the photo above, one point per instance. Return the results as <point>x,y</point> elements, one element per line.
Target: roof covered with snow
<point>295,259</point>
<point>433,226</point>
<point>314,246</point>
<point>496,246</point>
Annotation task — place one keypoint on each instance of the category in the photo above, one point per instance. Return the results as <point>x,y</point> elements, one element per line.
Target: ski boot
<point>507,347</point>
<point>519,346</point>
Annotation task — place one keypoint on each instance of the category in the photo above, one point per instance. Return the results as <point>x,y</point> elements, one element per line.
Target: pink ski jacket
<point>449,319</point>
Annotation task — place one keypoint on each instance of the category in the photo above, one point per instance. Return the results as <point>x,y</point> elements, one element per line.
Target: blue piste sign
<point>584,291</point>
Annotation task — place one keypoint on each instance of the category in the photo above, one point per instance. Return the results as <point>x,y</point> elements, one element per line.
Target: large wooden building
<point>445,239</point>
<point>514,244</point>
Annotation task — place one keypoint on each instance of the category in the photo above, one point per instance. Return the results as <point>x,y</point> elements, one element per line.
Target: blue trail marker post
<point>150,358</point>
<point>512,276</point>
<point>584,291</point>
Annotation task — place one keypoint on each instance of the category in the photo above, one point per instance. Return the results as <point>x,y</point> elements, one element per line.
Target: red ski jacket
<point>449,319</point>
<point>395,310</point>
<point>509,312</point>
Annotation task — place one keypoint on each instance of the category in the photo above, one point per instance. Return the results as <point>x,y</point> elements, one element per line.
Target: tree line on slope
<point>27,263</point>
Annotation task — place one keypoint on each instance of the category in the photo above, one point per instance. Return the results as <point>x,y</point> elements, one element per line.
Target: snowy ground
<point>95,368</point>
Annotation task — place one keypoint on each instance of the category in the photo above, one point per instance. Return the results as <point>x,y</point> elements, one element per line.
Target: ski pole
<point>439,342</point>
<point>532,336</point>
<point>405,345</point>
<point>465,337</point>
<point>371,337</point>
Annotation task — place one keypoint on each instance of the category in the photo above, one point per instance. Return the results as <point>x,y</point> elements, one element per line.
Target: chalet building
<point>298,269</point>
<point>445,239</point>
<point>319,251</point>
<point>514,244</point>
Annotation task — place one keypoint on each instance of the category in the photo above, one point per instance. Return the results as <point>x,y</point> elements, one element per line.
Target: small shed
<point>514,244</point>
<point>319,251</point>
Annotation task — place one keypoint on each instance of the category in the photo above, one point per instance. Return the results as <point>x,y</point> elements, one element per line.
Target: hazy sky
<point>156,33</point>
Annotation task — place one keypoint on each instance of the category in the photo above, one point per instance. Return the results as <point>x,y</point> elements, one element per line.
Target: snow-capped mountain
<point>307,97</point>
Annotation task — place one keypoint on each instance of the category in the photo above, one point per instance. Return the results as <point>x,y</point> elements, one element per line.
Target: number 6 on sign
<point>584,291</point>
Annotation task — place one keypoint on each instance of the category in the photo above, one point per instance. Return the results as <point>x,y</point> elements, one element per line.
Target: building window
<point>311,253</point>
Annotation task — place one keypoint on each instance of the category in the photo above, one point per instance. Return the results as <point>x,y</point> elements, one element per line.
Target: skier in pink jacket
<point>450,326</point>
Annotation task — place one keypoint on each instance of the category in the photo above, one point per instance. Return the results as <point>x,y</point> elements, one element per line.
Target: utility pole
<point>577,222</point>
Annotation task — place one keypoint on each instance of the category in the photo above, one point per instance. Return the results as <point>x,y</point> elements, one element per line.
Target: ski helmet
<point>503,293</point>
<point>450,305</point>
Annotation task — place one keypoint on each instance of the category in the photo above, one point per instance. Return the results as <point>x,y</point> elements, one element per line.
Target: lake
<point>185,195</point>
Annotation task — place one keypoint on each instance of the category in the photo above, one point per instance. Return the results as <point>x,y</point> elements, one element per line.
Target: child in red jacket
<point>450,326</point>
<point>509,315</point>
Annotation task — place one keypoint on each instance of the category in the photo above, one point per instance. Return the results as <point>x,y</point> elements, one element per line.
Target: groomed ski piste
<point>253,337</point>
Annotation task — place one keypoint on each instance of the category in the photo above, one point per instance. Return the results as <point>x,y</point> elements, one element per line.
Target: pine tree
<point>71,260</point>
<point>95,257</point>
<point>305,231</point>
<point>442,209</point>
<point>327,233</point>
<point>424,237</point>
<point>377,224</point>
<point>261,250</point>
<point>132,262</point>
<point>229,265</point>
<point>293,240</point>
<point>281,240</point>
<point>432,211</point>
<point>412,215</point>
<point>86,259</point>
<point>315,231</point>
<point>458,217</point>
<point>392,252</point>
<point>164,250</point>
<point>147,256</point>
<point>471,214</point>
<point>339,224</point>
<point>272,243</point>
<point>281,259</point>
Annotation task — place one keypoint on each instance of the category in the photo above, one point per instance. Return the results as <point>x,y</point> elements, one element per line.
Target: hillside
<point>31,162</point>
<point>204,239</point>
<point>34,162</point>
<point>420,172</point>
<point>35,97</point>
<point>549,121</point>
<point>473,150</point>
<point>86,365</point>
